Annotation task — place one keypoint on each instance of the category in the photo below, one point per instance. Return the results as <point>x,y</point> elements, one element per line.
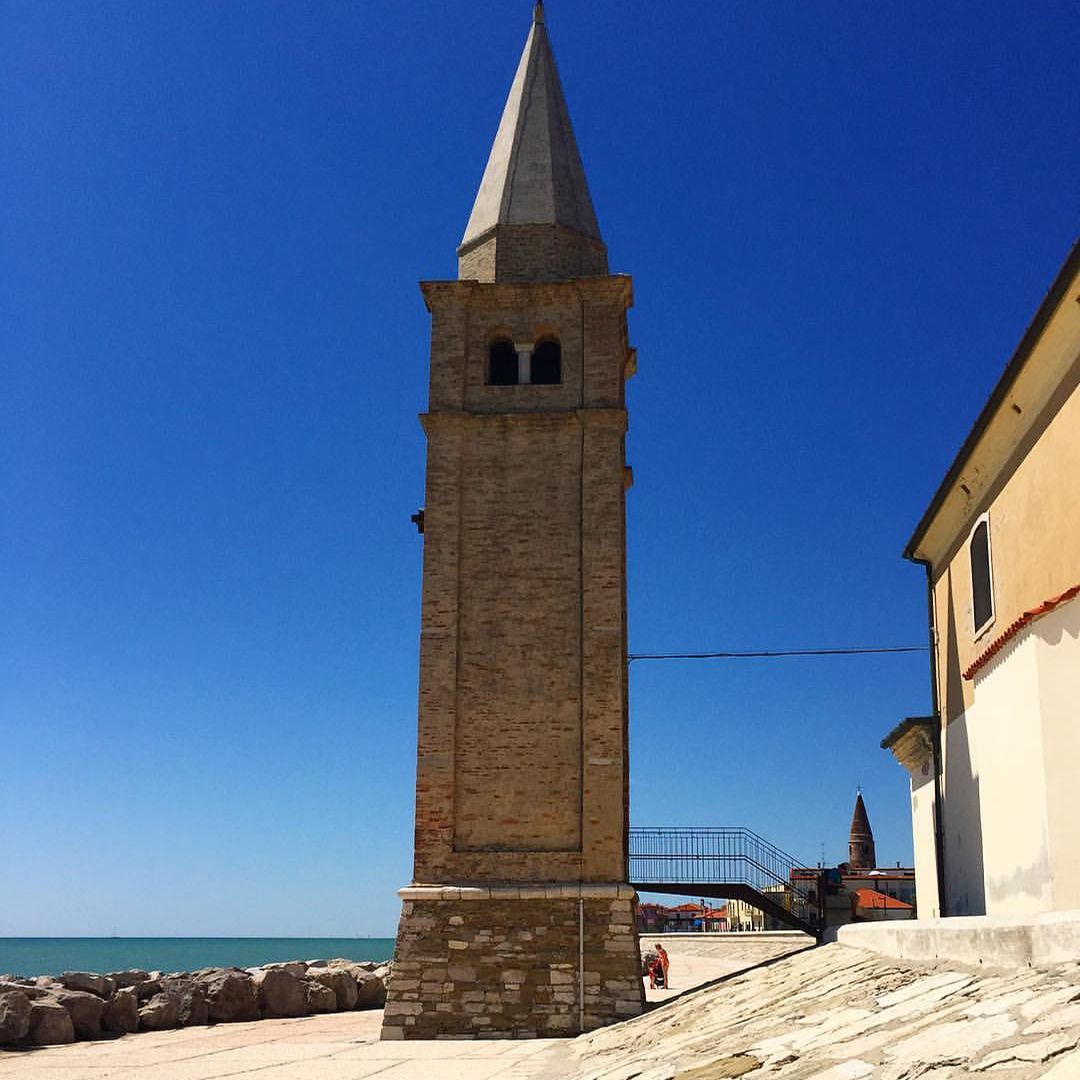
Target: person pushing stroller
<point>656,967</point>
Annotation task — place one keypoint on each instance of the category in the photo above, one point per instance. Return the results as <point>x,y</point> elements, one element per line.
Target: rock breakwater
<point>49,1010</point>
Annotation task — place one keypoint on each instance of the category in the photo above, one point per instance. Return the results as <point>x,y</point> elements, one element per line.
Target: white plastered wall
<point>1056,637</point>
<point>965,887</point>
<point>922,827</point>
<point>1005,731</point>
<point>1022,737</point>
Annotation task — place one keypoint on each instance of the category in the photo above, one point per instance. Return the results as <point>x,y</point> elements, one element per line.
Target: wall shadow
<point>965,887</point>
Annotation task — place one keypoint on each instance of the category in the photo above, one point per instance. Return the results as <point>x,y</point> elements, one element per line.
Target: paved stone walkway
<point>342,1046</point>
<point>832,1013</point>
<point>836,1013</point>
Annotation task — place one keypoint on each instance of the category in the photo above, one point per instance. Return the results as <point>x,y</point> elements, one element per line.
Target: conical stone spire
<point>861,854</point>
<point>533,219</point>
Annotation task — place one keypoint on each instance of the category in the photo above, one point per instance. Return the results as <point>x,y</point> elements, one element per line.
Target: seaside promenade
<point>828,1013</point>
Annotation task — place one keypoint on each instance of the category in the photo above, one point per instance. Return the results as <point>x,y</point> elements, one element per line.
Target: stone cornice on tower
<point>533,218</point>
<point>612,287</point>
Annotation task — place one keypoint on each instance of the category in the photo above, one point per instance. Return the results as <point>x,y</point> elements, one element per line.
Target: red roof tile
<point>871,898</point>
<point>1016,626</point>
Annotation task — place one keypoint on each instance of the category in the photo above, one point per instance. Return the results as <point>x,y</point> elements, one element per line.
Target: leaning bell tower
<point>519,919</point>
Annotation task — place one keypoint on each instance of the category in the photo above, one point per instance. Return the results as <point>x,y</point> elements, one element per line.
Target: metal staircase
<point>727,863</point>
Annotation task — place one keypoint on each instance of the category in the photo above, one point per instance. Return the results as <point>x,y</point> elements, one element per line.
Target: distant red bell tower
<point>861,854</point>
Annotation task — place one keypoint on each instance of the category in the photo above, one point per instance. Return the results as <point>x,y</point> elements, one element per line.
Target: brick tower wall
<point>522,752</point>
<point>499,964</point>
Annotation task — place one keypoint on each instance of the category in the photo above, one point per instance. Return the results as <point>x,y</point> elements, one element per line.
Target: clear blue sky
<point>839,218</point>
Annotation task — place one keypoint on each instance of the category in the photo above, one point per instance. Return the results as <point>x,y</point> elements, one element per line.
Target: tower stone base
<point>508,961</point>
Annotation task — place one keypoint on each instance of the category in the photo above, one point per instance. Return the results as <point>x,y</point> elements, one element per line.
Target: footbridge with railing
<point>725,863</point>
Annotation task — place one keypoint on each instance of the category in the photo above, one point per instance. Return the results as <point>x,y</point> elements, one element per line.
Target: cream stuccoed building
<point>994,770</point>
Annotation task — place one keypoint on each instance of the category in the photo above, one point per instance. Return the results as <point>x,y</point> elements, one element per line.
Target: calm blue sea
<point>52,956</point>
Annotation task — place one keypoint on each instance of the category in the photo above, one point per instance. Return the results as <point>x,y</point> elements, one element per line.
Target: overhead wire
<point>770,654</point>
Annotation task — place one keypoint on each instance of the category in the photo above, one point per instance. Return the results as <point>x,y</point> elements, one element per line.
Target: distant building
<point>993,769</point>
<point>897,882</point>
<point>716,919</point>
<point>682,918</point>
<point>854,890</point>
<point>742,916</point>
<point>651,918</point>
<point>871,905</point>
<point>848,892</point>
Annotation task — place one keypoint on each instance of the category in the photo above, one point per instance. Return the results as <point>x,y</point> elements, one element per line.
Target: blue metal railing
<point>694,857</point>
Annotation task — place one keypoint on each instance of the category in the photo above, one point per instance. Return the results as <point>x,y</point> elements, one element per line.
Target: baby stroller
<point>655,972</point>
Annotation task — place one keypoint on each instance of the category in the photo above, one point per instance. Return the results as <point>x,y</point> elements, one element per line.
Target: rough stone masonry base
<point>504,962</point>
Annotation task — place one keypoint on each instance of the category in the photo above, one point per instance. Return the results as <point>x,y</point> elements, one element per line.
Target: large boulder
<point>85,1010</point>
<point>129,977</point>
<point>101,985</point>
<point>296,968</point>
<point>320,999</point>
<point>193,1008</point>
<point>14,1016</point>
<point>147,989</point>
<point>280,993</point>
<point>30,989</point>
<point>161,1012</point>
<point>340,981</point>
<point>50,1023</point>
<point>230,995</point>
<point>121,1015</point>
<point>371,989</point>
<point>354,968</point>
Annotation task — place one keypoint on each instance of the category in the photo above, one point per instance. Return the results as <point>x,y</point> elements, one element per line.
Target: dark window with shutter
<point>982,594</point>
<point>547,363</point>
<point>502,364</point>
